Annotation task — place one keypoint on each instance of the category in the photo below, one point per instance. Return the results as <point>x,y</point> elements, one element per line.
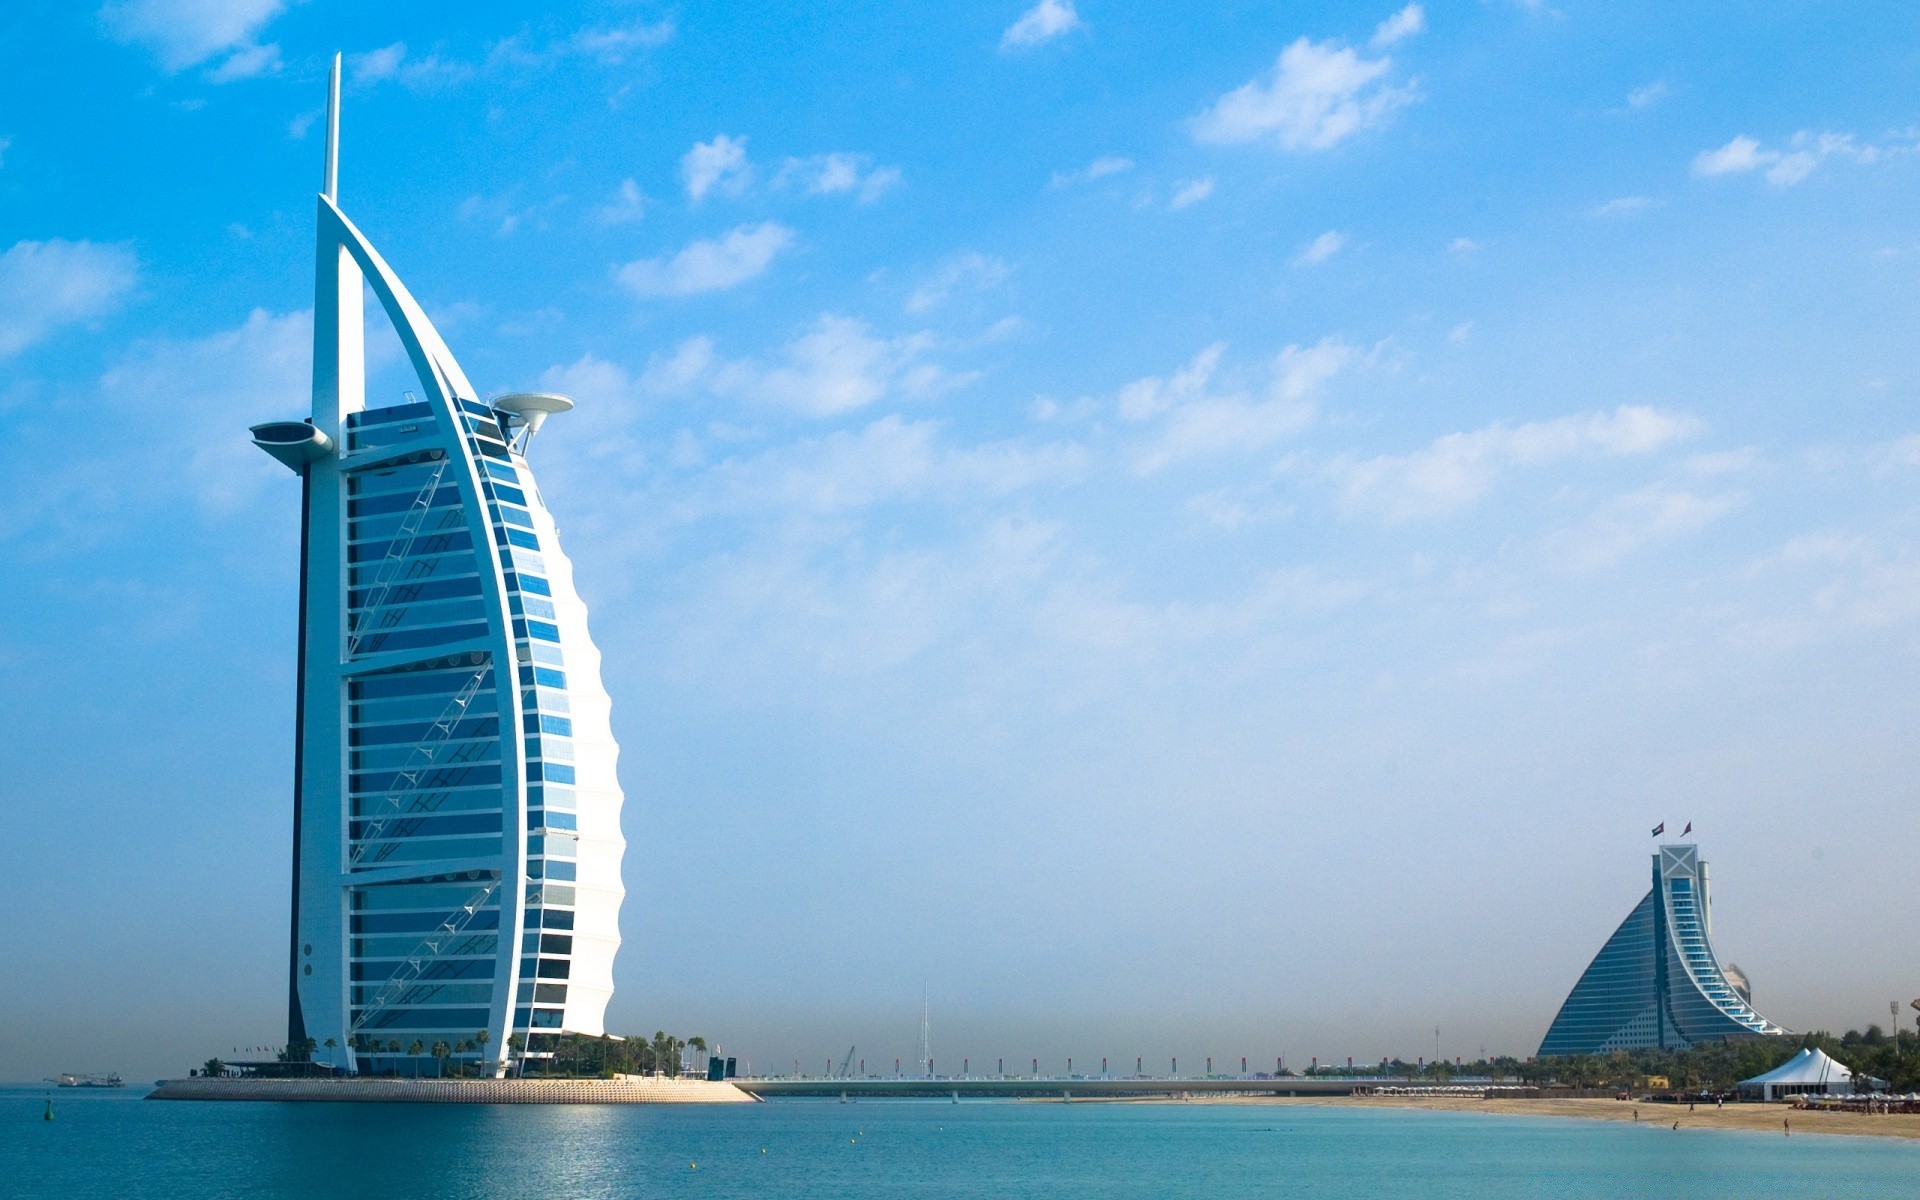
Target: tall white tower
<point>457,844</point>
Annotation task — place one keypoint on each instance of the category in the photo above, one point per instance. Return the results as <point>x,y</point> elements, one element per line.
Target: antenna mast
<point>926,1043</point>
<point>330,185</point>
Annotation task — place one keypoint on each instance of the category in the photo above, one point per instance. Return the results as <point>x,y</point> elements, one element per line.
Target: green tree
<point>480,1039</point>
<point>441,1052</point>
<point>414,1050</point>
<point>213,1067</point>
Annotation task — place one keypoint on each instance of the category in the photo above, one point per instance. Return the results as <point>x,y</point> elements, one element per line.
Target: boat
<point>109,1080</point>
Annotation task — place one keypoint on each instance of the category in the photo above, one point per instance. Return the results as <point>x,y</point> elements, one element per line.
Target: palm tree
<point>414,1050</point>
<point>213,1067</point>
<point>514,1042</point>
<point>480,1039</point>
<point>441,1052</point>
<point>330,1044</point>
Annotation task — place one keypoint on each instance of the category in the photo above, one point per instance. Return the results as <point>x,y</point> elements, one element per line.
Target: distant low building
<point>1656,982</point>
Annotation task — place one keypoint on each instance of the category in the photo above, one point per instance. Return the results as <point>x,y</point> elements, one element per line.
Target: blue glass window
<point>536,585</point>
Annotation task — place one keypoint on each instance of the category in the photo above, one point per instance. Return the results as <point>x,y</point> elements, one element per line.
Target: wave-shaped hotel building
<point>1657,981</point>
<point>457,840</point>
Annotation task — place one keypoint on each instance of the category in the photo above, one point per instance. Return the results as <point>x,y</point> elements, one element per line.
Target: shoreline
<point>1750,1117</point>
<point>626,1089</point>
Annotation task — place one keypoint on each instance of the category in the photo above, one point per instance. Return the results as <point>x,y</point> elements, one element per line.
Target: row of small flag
<point>1662,828</point>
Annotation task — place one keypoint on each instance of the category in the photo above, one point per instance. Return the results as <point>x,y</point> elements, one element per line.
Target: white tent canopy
<point>1810,1072</point>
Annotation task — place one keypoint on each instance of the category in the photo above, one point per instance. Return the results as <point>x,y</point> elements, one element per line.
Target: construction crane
<point>846,1065</point>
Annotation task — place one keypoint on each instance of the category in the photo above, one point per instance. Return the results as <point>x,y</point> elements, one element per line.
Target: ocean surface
<point>116,1145</point>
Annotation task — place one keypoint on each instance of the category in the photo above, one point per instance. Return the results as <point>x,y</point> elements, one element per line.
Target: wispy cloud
<point>710,265</point>
<point>972,270</point>
<point>1624,206</point>
<point>628,205</point>
<point>1459,468</point>
<point>47,285</point>
<point>1099,168</point>
<point>1648,96</point>
<point>1043,22</point>
<point>186,33</point>
<point>1402,25</point>
<point>247,63</point>
<point>1191,192</point>
<point>720,164</point>
<point>1317,95</point>
<point>1804,152</point>
<point>836,366</point>
<point>1321,249</point>
<point>392,63</point>
<point>1629,522</point>
<point>838,173</point>
<point>1201,410</point>
<point>611,44</point>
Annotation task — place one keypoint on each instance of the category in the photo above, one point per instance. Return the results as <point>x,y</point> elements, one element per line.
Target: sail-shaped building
<point>457,845</point>
<point>1657,982</point>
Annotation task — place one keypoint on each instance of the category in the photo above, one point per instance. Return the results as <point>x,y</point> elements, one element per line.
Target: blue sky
<point>1188,529</point>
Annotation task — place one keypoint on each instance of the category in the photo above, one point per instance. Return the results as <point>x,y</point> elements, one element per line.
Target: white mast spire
<point>331,184</point>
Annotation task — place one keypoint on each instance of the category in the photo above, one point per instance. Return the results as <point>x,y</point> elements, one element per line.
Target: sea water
<point>116,1145</point>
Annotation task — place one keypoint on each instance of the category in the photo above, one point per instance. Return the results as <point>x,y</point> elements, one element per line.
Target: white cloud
<point>1648,96</point>
<point>627,206</point>
<point>890,459</point>
<point>391,62</point>
<point>836,174</point>
<point>1321,249</point>
<point>1318,95</point>
<point>45,285</point>
<point>1652,514</point>
<point>721,163</point>
<point>1459,468</point>
<point>613,44</point>
<point>1463,247</point>
<point>376,65</point>
<point>186,33</point>
<point>1191,192</point>
<point>1741,154</point>
<point>973,270</point>
<point>1624,206</point>
<point>709,265</point>
<point>1197,413</point>
<point>247,63</point>
<point>1805,151</point>
<point>187,395</point>
<point>1043,22</point>
<point>835,367</point>
<point>1099,168</point>
<point>1401,25</point>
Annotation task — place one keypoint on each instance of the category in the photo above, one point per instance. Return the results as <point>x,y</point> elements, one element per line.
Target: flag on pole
<point>1658,829</point>
<point>1687,830</point>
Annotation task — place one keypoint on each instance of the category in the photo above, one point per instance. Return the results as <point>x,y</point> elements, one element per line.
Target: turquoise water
<point>118,1146</point>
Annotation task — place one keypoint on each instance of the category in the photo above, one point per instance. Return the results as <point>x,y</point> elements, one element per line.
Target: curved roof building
<point>457,840</point>
<point>1656,982</point>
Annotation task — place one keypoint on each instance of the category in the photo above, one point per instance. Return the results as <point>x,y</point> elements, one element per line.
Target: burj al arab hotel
<point>457,846</point>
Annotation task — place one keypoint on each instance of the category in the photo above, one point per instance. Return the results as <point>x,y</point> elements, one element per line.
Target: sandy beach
<point>1765,1118</point>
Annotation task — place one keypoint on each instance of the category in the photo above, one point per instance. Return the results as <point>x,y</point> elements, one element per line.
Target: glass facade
<point>1656,982</point>
<point>457,833</point>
